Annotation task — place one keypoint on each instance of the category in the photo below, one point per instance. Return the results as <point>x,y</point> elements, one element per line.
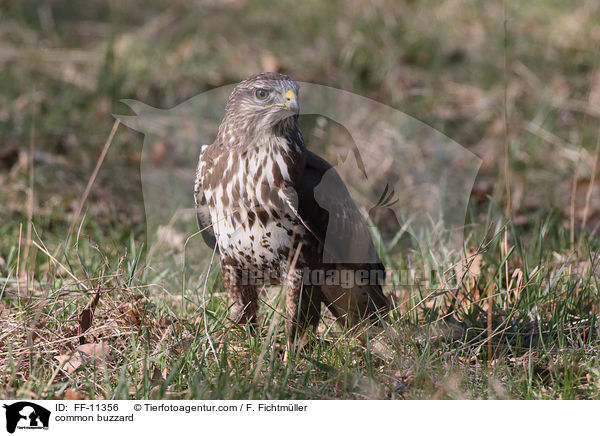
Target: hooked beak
<point>291,102</point>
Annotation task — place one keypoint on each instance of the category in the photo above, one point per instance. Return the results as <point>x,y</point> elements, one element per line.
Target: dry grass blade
<point>508,210</point>
<point>506,147</point>
<point>490,293</point>
<point>64,268</point>
<point>588,194</point>
<point>19,259</point>
<point>275,321</point>
<point>573,193</point>
<point>88,188</point>
<point>30,190</point>
<point>208,338</point>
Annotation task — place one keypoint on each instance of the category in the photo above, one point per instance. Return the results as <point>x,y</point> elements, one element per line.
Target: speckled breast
<point>252,220</point>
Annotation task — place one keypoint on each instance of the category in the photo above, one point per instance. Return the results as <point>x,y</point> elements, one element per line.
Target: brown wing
<point>329,212</point>
<point>202,212</point>
<point>327,208</point>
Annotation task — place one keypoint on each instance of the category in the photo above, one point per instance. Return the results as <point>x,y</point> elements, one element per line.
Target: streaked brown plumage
<point>260,193</point>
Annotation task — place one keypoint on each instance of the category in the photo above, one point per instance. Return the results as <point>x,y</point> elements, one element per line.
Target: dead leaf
<point>474,265</point>
<point>130,313</point>
<point>154,393</point>
<point>402,380</point>
<point>68,364</point>
<point>72,394</point>
<point>35,334</point>
<point>9,155</point>
<point>84,354</point>
<point>163,322</point>
<point>381,349</point>
<point>482,191</point>
<point>87,315</point>
<point>158,376</point>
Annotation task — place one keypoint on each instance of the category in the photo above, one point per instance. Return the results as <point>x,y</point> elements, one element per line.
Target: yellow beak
<point>291,102</point>
<point>290,95</point>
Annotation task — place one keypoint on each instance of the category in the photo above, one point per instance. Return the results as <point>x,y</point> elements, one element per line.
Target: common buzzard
<point>280,214</point>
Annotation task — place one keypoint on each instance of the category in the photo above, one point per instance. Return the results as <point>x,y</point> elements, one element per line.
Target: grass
<point>544,342</point>
<point>63,73</point>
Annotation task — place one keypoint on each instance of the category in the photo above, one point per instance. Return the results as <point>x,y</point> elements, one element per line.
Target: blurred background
<point>65,66</point>
<point>526,88</point>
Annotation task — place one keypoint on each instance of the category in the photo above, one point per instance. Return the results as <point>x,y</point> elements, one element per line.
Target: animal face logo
<point>26,415</point>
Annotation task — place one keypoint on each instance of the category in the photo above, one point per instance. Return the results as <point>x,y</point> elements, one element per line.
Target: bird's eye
<point>261,94</point>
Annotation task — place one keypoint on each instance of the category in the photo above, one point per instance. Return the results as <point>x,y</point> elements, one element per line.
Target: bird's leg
<point>303,310</point>
<point>244,296</point>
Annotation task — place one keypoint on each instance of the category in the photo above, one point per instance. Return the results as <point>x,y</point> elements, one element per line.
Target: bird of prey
<point>280,214</point>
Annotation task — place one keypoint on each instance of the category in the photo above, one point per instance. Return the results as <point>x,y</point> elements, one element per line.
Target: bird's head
<point>264,100</point>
